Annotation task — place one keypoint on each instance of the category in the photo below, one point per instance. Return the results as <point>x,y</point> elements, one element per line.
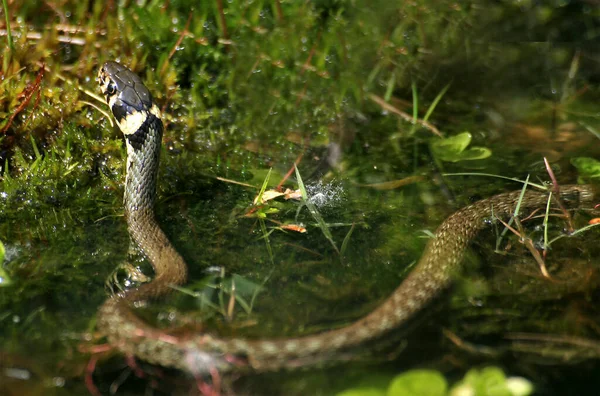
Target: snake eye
<point>111,88</point>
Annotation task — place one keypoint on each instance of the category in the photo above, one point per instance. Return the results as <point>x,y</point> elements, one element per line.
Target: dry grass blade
<point>26,96</point>
<point>535,185</point>
<point>556,190</point>
<point>405,116</point>
<point>392,185</point>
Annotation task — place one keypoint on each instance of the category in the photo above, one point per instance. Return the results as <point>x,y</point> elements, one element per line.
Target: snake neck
<point>143,152</point>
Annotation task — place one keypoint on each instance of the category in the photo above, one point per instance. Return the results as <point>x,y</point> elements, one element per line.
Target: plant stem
<point>11,45</point>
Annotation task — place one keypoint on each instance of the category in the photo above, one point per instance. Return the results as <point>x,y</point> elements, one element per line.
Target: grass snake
<point>201,353</point>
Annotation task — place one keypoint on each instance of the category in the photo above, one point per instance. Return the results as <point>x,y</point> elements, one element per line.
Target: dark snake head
<point>128,98</point>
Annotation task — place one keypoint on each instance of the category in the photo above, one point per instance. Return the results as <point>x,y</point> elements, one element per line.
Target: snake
<point>200,352</point>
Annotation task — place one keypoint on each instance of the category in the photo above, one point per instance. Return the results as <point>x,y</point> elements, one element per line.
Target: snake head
<point>127,96</point>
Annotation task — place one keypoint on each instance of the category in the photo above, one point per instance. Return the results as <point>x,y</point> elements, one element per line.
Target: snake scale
<point>140,121</point>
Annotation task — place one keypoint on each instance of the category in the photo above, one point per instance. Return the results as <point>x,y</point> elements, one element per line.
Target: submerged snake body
<point>140,121</point>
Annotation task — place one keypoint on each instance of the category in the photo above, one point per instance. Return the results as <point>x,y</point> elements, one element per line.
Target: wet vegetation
<point>376,102</point>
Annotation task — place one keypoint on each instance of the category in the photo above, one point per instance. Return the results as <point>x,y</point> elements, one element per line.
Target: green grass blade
<point>546,220</point>
<point>4,278</point>
<point>390,88</point>
<point>314,212</point>
<point>518,207</point>
<point>35,148</point>
<point>415,97</point>
<point>413,128</point>
<point>301,184</point>
<point>261,220</point>
<point>435,102</point>
<point>263,187</point>
<point>541,187</point>
<point>515,213</point>
<point>9,37</point>
<point>346,241</point>
<point>578,231</point>
<point>266,233</point>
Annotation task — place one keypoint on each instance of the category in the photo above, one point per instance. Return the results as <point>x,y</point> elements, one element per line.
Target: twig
<point>528,244</point>
<point>89,379</point>
<point>289,173</point>
<point>26,95</point>
<point>235,182</point>
<point>569,340</point>
<point>556,191</point>
<point>306,65</point>
<point>405,116</point>
<point>184,33</point>
<point>467,346</point>
<point>538,186</point>
<point>279,11</point>
<point>222,18</point>
<point>391,185</point>
<point>231,305</point>
<point>534,252</point>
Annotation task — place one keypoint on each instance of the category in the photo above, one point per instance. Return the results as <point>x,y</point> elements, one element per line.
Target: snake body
<point>140,121</point>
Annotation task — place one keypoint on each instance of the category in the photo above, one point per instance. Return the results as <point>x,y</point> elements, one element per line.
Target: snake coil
<point>140,121</point>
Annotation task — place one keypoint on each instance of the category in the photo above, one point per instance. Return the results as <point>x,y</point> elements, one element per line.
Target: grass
<point>9,38</point>
<point>261,218</point>
<point>312,209</point>
<point>231,291</point>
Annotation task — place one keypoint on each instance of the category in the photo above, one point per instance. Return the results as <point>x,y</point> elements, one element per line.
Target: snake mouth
<point>107,87</point>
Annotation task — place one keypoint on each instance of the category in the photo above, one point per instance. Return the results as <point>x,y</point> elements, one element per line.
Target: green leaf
<point>519,386</point>
<point>587,167</point>
<point>4,278</point>
<point>454,144</point>
<point>491,381</point>
<point>418,383</point>
<point>475,153</point>
<point>454,149</point>
<point>362,392</point>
